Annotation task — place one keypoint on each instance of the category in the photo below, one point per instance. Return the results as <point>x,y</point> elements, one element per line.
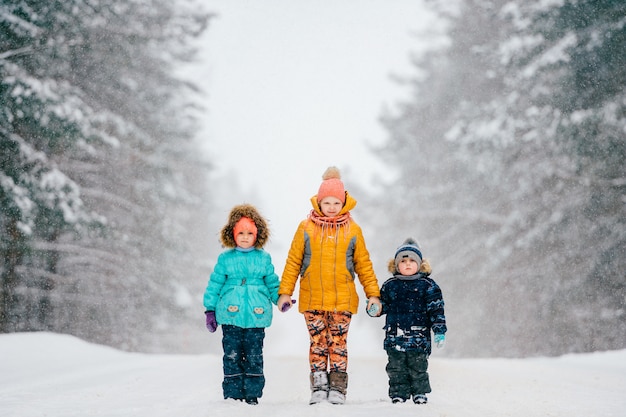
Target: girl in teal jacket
<point>239,296</point>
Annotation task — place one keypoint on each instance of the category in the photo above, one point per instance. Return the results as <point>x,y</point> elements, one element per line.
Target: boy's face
<point>245,239</point>
<point>331,206</point>
<point>408,266</point>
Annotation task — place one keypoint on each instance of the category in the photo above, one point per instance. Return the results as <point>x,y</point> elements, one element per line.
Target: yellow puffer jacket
<point>327,260</point>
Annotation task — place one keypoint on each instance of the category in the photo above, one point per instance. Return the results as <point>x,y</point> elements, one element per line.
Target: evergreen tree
<point>440,194</point>
<point>559,121</point>
<point>39,119</point>
<point>115,119</point>
<point>531,161</point>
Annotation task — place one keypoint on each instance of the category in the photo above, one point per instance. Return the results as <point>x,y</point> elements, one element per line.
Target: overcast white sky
<point>295,86</point>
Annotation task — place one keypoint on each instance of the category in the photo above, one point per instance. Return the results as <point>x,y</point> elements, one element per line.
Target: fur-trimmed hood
<point>245,210</point>
<point>425,267</point>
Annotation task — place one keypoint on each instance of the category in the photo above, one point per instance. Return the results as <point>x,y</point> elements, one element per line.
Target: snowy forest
<point>509,157</point>
<point>100,175</point>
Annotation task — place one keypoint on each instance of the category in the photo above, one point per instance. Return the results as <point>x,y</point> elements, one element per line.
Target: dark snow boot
<point>319,387</point>
<point>420,399</point>
<point>338,387</point>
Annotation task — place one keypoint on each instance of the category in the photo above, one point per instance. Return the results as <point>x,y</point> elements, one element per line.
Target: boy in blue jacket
<point>413,305</point>
<point>239,296</point>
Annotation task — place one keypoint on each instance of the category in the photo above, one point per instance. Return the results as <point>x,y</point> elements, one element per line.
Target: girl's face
<point>331,206</point>
<point>408,266</point>
<point>245,239</point>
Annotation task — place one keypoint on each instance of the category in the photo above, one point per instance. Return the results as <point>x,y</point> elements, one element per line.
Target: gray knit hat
<point>409,249</point>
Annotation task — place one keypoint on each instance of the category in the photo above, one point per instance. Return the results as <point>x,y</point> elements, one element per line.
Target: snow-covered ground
<point>44,374</point>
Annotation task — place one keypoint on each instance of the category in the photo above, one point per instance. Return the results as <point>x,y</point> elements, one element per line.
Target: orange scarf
<point>330,224</point>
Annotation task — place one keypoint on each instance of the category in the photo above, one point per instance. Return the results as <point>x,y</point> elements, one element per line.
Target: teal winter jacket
<point>242,288</point>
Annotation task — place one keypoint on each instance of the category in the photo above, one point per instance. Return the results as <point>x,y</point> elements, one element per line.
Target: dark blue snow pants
<point>243,362</point>
<point>407,373</point>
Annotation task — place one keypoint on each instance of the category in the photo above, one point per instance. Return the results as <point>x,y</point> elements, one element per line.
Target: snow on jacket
<point>413,306</point>
<point>327,259</point>
<point>242,288</point>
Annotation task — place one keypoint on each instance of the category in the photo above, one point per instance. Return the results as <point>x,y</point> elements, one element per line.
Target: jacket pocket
<point>258,312</point>
<point>232,309</point>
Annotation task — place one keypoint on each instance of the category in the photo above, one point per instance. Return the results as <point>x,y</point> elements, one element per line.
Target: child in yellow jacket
<point>327,253</point>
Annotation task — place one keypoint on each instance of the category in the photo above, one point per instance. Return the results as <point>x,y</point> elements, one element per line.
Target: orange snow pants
<point>328,333</point>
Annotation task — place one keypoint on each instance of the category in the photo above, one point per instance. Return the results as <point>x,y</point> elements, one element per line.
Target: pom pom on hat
<point>409,249</point>
<point>332,185</point>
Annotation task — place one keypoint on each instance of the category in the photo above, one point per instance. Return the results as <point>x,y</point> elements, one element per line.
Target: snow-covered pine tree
<point>116,120</point>
<point>535,135</point>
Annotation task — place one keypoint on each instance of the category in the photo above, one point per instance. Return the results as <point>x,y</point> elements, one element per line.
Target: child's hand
<point>440,340</point>
<point>374,307</point>
<point>286,306</point>
<point>211,322</point>
<point>285,302</point>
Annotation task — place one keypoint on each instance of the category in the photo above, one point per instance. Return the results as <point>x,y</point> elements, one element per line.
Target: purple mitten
<point>286,306</point>
<point>211,322</point>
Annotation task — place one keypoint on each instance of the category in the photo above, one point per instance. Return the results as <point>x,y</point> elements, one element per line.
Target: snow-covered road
<point>52,375</point>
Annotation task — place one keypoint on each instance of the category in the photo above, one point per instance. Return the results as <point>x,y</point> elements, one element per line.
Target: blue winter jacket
<point>413,306</point>
<point>242,288</point>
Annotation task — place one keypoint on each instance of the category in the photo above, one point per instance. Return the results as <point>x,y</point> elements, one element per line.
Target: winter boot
<point>319,387</point>
<point>420,399</point>
<point>338,387</point>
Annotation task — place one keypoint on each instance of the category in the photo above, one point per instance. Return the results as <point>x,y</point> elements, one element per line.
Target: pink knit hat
<point>332,185</point>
